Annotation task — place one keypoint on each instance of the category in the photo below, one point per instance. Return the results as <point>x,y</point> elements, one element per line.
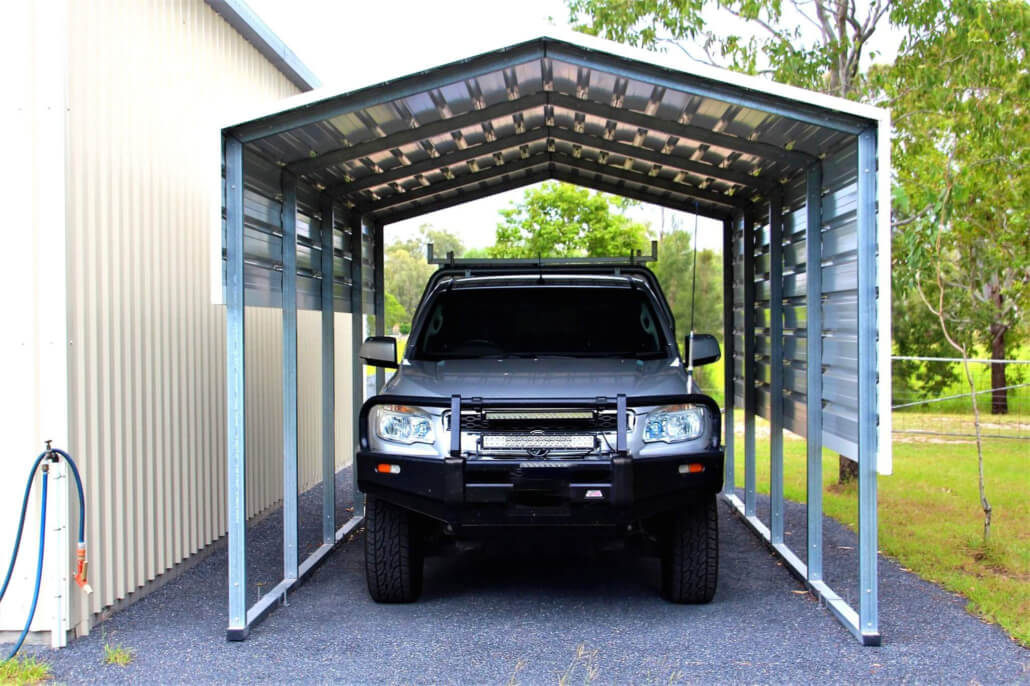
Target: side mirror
<point>379,351</point>
<point>706,349</point>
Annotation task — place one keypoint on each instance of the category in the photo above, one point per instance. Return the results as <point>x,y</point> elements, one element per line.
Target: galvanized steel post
<point>289,290</point>
<point>727,354</point>
<point>379,293</point>
<point>236,469</point>
<point>328,371</point>
<point>814,366</point>
<point>867,402</point>
<point>750,476</point>
<point>776,369</point>
<point>357,224</point>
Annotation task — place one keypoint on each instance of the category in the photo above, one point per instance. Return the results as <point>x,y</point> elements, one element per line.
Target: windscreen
<point>540,321</point>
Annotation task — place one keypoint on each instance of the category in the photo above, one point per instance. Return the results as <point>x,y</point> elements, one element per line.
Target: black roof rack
<point>451,261</point>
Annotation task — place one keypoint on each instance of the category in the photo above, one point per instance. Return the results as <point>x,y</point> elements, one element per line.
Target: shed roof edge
<point>248,24</point>
<point>679,63</point>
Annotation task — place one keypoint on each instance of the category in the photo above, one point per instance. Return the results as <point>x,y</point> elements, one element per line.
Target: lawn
<point>930,519</point>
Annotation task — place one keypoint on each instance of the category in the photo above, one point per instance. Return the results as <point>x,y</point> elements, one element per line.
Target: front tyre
<point>393,555</point>
<point>690,555</point>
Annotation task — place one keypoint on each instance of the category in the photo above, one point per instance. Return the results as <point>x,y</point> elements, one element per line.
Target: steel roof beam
<point>666,127</point>
<point>436,163</point>
<point>619,189</point>
<point>622,149</point>
<point>586,166</point>
<point>406,136</point>
<point>312,113</point>
<point>457,183</point>
<point>735,201</point>
<point>517,182</point>
<point>661,159</point>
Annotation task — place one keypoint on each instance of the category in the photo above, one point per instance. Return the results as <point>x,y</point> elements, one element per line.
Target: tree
<point>405,276</point>
<point>815,44</point>
<point>396,316</point>
<point>963,170</point>
<point>563,220</point>
<point>960,90</point>
<point>406,269</point>
<point>675,272</point>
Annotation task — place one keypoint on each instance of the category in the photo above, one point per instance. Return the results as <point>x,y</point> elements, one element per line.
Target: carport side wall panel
<point>839,278</point>
<point>147,380</point>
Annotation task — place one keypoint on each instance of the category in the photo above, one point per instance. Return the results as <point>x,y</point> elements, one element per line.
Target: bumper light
<point>536,442</point>
<point>403,424</point>
<point>674,424</point>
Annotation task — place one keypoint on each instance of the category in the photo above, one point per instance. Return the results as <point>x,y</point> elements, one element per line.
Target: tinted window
<point>540,321</point>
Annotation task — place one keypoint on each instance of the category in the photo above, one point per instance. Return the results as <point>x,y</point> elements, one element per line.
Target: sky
<point>352,43</point>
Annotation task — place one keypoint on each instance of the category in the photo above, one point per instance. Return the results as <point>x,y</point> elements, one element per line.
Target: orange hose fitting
<point>80,571</point>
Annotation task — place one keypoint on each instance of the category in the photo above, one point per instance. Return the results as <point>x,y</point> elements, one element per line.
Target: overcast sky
<point>352,43</point>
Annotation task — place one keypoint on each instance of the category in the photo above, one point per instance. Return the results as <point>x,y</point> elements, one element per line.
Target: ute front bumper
<point>611,490</point>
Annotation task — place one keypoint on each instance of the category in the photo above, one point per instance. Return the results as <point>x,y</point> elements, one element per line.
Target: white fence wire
<point>946,414</point>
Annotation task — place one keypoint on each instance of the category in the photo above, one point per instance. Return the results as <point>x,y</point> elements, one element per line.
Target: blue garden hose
<point>53,455</point>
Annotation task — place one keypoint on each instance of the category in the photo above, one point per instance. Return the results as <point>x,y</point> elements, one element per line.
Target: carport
<point>796,178</point>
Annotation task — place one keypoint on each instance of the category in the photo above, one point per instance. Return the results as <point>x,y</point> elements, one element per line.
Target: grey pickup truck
<point>541,394</point>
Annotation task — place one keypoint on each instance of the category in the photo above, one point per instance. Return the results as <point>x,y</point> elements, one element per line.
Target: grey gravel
<point>521,616</point>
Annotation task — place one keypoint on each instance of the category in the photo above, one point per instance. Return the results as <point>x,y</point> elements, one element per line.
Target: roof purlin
<point>461,198</point>
<point>434,163</point>
<point>692,192</point>
<point>470,179</point>
<point>683,131</point>
<point>617,189</point>
<point>405,137</point>
<point>406,86</point>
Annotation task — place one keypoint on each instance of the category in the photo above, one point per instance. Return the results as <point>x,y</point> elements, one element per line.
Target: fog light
<point>692,468</point>
<point>388,468</point>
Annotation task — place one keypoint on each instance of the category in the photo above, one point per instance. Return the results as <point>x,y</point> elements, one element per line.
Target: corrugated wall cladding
<point>263,245</point>
<point>150,83</point>
<point>839,304</point>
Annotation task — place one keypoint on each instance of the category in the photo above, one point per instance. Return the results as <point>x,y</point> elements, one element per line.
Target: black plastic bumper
<point>513,492</point>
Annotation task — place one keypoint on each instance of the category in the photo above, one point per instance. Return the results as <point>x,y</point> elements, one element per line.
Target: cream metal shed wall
<point>145,87</point>
<point>32,350</point>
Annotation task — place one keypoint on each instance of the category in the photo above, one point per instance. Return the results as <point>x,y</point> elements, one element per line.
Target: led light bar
<point>514,416</point>
<point>537,442</point>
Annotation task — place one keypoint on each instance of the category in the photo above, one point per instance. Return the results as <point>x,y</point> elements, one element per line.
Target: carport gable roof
<point>575,109</point>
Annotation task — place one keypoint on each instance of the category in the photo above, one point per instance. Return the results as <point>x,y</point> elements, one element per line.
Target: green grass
<point>24,670</point>
<point>930,519</point>
<point>116,654</point>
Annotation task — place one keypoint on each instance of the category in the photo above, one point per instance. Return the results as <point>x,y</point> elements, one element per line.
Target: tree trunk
<point>999,398</point>
<point>847,470</point>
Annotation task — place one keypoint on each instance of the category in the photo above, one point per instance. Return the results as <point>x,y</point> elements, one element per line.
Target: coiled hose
<point>51,454</point>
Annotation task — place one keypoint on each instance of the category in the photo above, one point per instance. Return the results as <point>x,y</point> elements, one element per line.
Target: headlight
<point>403,424</point>
<point>675,423</point>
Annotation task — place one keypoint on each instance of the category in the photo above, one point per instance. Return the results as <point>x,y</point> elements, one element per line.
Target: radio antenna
<point>693,294</point>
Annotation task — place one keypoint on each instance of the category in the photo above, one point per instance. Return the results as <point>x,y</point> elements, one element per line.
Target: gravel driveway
<point>530,616</point>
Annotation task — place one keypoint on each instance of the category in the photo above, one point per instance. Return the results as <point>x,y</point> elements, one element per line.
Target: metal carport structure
<point>308,189</point>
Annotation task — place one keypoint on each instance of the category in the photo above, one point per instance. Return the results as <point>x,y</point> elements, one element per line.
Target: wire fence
<point>932,402</point>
